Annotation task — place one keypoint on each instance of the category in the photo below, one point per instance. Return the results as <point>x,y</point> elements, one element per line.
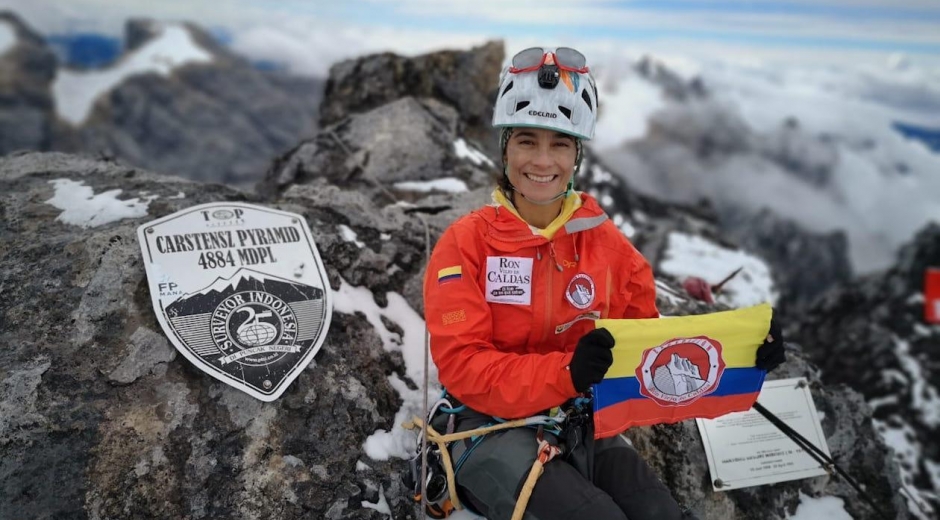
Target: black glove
<point>771,354</point>
<point>592,357</point>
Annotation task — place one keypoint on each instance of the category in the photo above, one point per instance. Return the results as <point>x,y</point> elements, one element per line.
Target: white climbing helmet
<point>548,89</point>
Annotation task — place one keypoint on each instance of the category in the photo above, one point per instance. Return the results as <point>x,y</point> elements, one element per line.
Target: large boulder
<point>97,405</point>
<point>465,80</point>
<point>408,140</point>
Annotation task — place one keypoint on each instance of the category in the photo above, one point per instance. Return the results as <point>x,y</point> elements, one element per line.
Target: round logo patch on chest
<point>580,291</point>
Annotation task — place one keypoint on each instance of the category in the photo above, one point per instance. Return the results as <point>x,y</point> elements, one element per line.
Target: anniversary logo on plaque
<point>240,290</point>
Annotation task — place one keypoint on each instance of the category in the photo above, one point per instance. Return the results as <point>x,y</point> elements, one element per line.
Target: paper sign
<point>240,290</point>
<point>744,449</point>
<point>932,295</point>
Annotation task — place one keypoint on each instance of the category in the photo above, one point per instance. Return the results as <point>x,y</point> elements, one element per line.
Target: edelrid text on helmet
<point>568,106</point>
<point>542,114</point>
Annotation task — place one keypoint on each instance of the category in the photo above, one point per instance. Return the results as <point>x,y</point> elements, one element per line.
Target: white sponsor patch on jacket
<point>509,280</point>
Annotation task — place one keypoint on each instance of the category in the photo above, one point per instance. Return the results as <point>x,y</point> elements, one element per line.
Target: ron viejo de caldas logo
<point>241,292</point>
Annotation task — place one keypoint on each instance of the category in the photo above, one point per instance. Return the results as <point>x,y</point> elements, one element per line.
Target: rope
<point>427,348</point>
<point>546,452</point>
<point>820,456</point>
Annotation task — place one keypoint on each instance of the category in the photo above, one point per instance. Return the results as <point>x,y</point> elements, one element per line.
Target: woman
<point>511,293</point>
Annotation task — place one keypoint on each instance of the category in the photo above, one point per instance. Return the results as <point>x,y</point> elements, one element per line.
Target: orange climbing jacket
<point>506,303</point>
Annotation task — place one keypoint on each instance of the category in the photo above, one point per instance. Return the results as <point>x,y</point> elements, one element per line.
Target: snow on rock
<point>903,440</point>
<point>465,151</point>
<point>76,92</point>
<point>381,506</point>
<point>828,508</point>
<point>924,397</point>
<point>350,236</point>
<point>689,255</point>
<point>349,299</point>
<point>7,37</point>
<point>81,207</point>
<point>446,184</point>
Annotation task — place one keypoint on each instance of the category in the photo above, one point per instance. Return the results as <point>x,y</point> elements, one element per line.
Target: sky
<point>310,35</point>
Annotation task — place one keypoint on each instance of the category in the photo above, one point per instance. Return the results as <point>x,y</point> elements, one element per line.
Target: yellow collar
<point>571,204</point>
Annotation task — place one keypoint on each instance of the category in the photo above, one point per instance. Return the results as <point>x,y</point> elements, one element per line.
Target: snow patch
<point>76,92</point>
<point>349,300</point>
<point>907,451</point>
<point>81,207</point>
<point>600,175</point>
<point>465,151</point>
<point>689,255</point>
<point>446,184</point>
<point>7,37</point>
<point>381,506</point>
<point>924,397</point>
<point>830,508</point>
<point>349,235</point>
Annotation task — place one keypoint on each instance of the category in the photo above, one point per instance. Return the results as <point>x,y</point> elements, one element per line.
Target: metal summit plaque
<point>240,290</point>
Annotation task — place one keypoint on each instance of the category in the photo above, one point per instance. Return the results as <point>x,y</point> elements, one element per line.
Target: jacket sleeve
<point>470,364</point>
<point>640,288</point>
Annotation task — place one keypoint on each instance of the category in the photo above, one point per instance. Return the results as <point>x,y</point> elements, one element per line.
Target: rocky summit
<point>871,335</point>
<point>218,119</point>
<point>100,417</point>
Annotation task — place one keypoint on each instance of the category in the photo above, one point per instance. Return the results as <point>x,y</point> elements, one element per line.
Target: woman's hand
<point>771,354</point>
<point>592,357</point>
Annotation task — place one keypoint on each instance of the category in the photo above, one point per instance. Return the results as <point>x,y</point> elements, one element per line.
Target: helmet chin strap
<point>543,202</point>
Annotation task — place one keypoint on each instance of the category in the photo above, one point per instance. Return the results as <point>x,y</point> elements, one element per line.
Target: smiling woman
<point>511,293</point>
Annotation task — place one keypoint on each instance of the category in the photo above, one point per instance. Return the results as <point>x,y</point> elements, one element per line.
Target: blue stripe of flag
<point>733,381</point>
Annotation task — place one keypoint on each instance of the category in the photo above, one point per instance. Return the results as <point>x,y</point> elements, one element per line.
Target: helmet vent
<point>520,105</point>
<point>508,87</point>
<point>587,99</point>
<point>565,111</point>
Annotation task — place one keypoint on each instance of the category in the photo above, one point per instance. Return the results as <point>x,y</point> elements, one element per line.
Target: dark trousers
<point>614,484</point>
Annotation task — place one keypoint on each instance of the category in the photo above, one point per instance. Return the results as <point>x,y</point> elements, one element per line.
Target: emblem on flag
<point>681,370</point>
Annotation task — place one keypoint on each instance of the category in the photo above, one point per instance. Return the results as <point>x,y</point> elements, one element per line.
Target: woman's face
<point>540,162</point>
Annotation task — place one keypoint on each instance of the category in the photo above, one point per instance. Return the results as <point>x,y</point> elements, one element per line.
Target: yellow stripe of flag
<point>743,330</point>
<point>448,271</point>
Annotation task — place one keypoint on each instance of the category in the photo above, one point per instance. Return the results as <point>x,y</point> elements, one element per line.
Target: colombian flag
<point>670,369</point>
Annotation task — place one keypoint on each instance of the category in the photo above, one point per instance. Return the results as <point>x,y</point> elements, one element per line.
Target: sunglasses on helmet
<point>533,58</point>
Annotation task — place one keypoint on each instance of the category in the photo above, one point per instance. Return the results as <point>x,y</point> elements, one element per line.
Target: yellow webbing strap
<point>546,453</point>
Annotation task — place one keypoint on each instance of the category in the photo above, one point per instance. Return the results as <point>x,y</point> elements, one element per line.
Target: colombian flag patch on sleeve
<point>449,274</point>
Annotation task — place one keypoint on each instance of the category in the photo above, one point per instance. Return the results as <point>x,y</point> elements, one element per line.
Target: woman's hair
<point>502,178</point>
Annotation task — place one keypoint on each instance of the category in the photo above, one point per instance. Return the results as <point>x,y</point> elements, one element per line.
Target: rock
<point>221,121</point>
<point>26,73</point>
<point>146,350</point>
<point>465,80</point>
<point>804,264</point>
<point>870,335</point>
<point>370,152</point>
<point>96,404</point>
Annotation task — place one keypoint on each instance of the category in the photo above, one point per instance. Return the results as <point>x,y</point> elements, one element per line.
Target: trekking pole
<point>817,454</point>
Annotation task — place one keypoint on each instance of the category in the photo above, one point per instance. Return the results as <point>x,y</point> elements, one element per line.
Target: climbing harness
<point>441,468</point>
